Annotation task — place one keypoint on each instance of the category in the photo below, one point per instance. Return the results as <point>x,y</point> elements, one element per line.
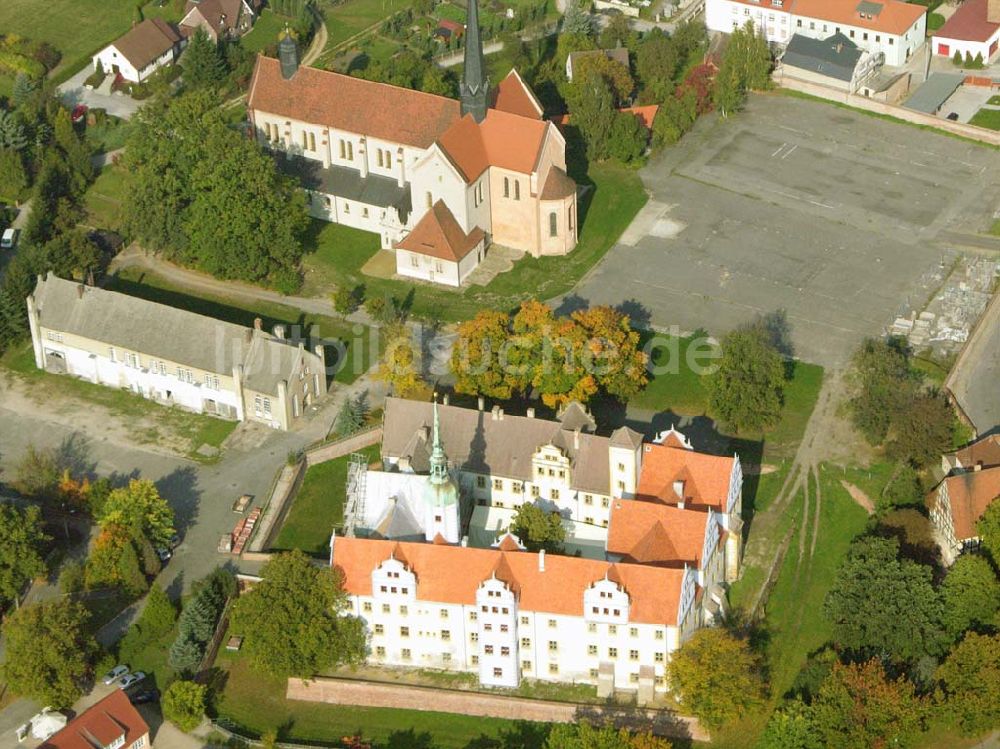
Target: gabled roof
<point>502,139</point>
<point>379,110</point>
<point>984,452</point>
<point>453,574</point>
<point>102,723</point>
<point>654,533</point>
<point>146,41</point>
<point>513,95</point>
<point>439,235</point>
<point>888,16</point>
<point>220,15</point>
<point>969,494</point>
<point>705,477</point>
<point>836,56</point>
<point>969,23</point>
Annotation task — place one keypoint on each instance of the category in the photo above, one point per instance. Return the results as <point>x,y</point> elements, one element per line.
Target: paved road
<point>119,105</point>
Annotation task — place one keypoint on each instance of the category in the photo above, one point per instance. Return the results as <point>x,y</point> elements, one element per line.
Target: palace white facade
<point>890,30</point>
<point>654,524</point>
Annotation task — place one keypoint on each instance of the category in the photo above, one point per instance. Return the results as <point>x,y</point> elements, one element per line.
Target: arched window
<point>553,224</point>
<point>506,187</point>
<point>312,141</point>
<point>517,189</point>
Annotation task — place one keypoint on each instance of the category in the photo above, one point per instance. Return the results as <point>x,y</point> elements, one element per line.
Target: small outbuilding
<point>973,30</point>
<point>836,61</point>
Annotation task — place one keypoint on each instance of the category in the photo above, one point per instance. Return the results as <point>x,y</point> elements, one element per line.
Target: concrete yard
<point>792,204</point>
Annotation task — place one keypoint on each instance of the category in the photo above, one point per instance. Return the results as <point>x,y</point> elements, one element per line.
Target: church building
<point>438,180</point>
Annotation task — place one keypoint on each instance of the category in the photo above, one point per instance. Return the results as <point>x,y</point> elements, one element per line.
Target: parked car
<point>115,674</point>
<point>130,680</point>
<point>9,239</point>
<point>145,696</point>
<point>953,116</point>
<point>79,112</point>
<point>175,541</point>
<point>164,554</point>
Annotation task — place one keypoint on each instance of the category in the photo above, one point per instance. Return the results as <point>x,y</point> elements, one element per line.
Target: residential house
<point>146,48</point>
<point>173,356</point>
<point>957,503</point>
<point>111,723</point>
<point>220,19</point>
<point>836,62</point>
<point>890,30</point>
<point>973,30</point>
<point>382,158</point>
<point>447,30</point>
<point>618,54</point>
<point>983,453</point>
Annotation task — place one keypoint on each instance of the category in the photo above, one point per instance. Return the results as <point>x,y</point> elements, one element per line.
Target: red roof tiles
<point>502,139</point>
<point>970,494</point>
<point>452,574</point>
<point>395,114</point>
<point>894,17</point>
<point>439,235</point>
<point>969,23</point>
<point>705,477</point>
<point>516,97</point>
<point>103,722</point>
<point>654,533</point>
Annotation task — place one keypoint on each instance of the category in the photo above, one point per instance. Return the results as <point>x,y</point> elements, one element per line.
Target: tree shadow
<point>409,739</point>
<point>638,314</point>
<point>571,303</point>
<point>179,488</point>
<point>634,718</point>
<point>73,453</point>
<point>523,735</point>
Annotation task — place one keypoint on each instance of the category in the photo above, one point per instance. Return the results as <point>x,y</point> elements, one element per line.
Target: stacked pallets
<point>243,530</point>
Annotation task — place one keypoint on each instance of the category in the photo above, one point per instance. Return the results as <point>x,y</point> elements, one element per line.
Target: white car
<point>115,674</point>
<point>8,239</point>
<point>129,680</point>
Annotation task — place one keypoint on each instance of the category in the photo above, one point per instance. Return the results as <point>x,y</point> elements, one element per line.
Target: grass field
<point>77,28</point>
<point>103,199</point>
<point>335,254</point>
<point>318,507</point>
<point>265,30</point>
<point>257,704</point>
<point>191,429</point>
<point>354,16</point>
<point>989,118</point>
<point>354,343</point>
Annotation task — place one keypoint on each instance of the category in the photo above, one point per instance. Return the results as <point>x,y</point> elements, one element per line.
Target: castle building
<point>429,546</point>
<point>438,180</point>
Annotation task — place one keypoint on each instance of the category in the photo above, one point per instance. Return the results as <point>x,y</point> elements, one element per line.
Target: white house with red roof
<point>112,723</point>
<point>973,30</point>
<point>488,168</point>
<point>891,29</point>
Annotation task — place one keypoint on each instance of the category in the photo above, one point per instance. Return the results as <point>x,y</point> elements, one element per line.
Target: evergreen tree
<point>13,175</point>
<point>12,131</point>
<point>203,65</point>
<point>159,614</point>
<point>24,87</point>
<point>186,654</point>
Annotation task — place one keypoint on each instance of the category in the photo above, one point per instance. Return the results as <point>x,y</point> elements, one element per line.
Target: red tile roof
<point>516,97</point>
<point>985,451</point>
<point>438,234</point>
<point>558,185</point>
<point>705,477</point>
<point>452,574</point>
<point>645,114</point>
<point>969,23</point>
<point>453,26</point>
<point>502,139</point>
<point>392,113</point>
<point>970,494</point>
<point>655,533</point>
<point>894,18</point>
<point>103,722</point>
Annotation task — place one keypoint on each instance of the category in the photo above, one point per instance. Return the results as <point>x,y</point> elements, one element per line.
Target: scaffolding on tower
<point>357,472</point>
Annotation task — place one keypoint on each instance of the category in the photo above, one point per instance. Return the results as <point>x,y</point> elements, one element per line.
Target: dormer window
<point>119,742</point>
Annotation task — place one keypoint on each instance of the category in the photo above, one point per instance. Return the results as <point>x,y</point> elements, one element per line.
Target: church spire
<point>439,461</point>
<point>475,84</point>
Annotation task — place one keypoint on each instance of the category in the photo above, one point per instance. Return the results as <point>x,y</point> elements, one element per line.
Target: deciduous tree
<point>184,704</point>
<point>858,708</point>
<point>922,430</point>
<point>585,735</point>
<point>881,379</point>
<point>479,357</point>
<point>49,652</point>
<point>293,622</point>
<point>21,540</point>
<point>140,506</point>
<point>538,529</point>
<point>747,389</point>
<point>988,527</point>
<point>399,363</point>
<point>970,677</point>
<point>716,677</point>
<point>159,613</point>
<point>882,604</point>
<point>970,594</point>
<point>612,351</point>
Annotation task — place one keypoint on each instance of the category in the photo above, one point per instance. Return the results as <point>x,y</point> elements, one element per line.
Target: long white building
<point>890,29</point>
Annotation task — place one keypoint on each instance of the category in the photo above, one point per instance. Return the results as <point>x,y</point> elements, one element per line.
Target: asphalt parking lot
<point>829,214</point>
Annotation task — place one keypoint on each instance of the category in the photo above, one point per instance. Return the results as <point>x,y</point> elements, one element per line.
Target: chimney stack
<point>279,332</point>
<point>979,466</point>
<point>679,491</point>
<point>541,560</point>
<point>258,324</point>
<point>482,403</point>
<point>495,413</point>
<point>531,412</point>
<point>576,439</point>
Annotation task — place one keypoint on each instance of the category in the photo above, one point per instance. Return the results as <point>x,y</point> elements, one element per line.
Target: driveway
<point>73,92</point>
<point>841,219</point>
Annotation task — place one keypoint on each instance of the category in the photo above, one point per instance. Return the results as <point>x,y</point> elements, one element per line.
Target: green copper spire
<point>439,461</point>
<point>475,84</point>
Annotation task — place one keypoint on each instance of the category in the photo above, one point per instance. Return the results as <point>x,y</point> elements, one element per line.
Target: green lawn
<point>318,507</point>
<point>989,118</point>
<point>354,16</point>
<point>265,30</point>
<point>355,342</point>
<point>77,28</point>
<point>110,136</point>
<point>994,100</point>
<point>190,429</point>
<point>103,199</point>
<point>335,254</point>
<point>257,703</point>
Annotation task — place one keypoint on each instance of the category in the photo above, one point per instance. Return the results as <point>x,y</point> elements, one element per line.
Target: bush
<point>184,704</point>
<point>95,79</point>
<point>71,577</point>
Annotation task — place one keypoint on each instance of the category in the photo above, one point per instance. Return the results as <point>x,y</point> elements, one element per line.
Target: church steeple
<point>475,84</point>
<point>439,461</point>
